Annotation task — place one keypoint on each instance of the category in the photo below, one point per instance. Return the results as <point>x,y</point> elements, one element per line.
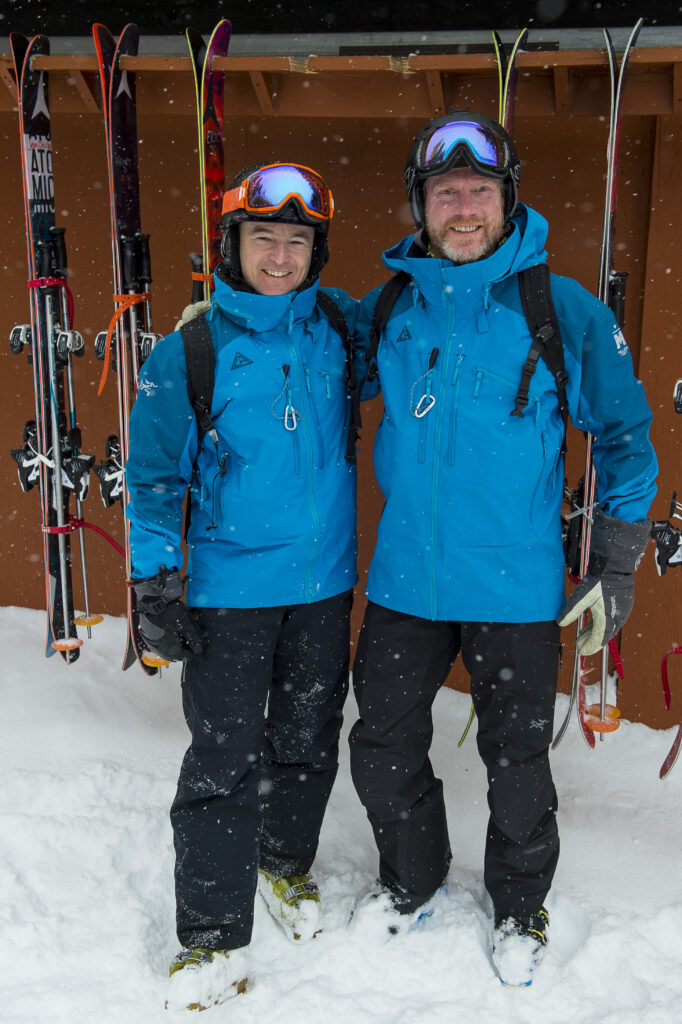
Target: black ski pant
<point>402,661</point>
<point>255,782</point>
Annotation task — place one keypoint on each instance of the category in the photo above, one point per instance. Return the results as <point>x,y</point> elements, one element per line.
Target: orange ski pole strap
<point>196,276</point>
<point>126,301</point>
<point>664,674</point>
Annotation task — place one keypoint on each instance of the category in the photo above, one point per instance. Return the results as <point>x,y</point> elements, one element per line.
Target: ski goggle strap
<point>270,188</point>
<point>488,148</point>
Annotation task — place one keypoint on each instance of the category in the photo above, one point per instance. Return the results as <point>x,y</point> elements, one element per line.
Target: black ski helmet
<point>475,141</point>
<point>291,213</point>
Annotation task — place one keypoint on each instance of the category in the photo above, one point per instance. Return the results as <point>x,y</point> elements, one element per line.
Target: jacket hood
<point>264,312</point>
<point>434,278</point>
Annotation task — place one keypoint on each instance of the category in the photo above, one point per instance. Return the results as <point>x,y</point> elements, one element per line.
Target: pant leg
<point>513,670</point>
<point>304,718</point>
<point>216,813</point>
<point>402,661</point>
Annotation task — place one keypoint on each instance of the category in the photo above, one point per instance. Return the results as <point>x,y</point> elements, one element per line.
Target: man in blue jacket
<point>469,555</point>
<point>272,564</point>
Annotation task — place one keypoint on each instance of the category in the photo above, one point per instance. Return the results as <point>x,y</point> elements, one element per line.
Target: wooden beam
<point>89,101</point>
<point>262,93</point>
<point>677,89</point>
<point>562,92</point>
<point>534,60</point>
<point>8,79</point>
<point>434,84</point>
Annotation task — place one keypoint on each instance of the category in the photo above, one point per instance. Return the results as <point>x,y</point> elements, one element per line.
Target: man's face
<point>275,258</point>
<point>464,215</point>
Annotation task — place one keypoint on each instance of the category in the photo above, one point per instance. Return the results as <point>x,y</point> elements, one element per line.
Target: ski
<point>50,455</point>
<point>674,751</point>
<point>130,337</point>
<point>612,292</point>
<point>673,754</point>
<point>507,78</point>
<point>209,91</point>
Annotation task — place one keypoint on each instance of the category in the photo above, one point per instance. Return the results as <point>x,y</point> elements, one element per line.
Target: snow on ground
<point>89,760</point>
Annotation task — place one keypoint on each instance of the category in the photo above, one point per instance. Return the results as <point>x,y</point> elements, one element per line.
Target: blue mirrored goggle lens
<point>485,147</point>
<point>270,188</point>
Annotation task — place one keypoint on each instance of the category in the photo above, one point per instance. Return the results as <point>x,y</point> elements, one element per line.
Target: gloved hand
<point>607,589</point>
<point>194,309</point>
<point>166,625</point>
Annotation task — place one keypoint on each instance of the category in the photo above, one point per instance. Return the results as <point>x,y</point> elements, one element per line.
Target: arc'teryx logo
<point>147,386</point>
<point>239,361</point>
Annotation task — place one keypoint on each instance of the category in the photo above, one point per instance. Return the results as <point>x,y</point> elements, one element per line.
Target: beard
<point>445,246</point>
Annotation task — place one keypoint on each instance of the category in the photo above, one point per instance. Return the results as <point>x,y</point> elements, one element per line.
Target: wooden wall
<point>362,158</point>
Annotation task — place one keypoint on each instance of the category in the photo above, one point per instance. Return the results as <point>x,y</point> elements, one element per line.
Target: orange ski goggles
<point>269,189</point>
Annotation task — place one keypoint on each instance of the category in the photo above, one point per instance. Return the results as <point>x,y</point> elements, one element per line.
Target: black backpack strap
<point>543,324</point>
<point>199,357</point>
<point>338,321</point>
<point>386,300</point>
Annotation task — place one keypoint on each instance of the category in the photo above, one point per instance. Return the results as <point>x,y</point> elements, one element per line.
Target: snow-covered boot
<point>294,902</point>
<point>200,978</point>
<point>518,947</point>
<point>394,912</point>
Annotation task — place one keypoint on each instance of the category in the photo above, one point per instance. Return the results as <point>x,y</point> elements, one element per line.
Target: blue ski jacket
<point>471,527</point>
<point>273,506</point>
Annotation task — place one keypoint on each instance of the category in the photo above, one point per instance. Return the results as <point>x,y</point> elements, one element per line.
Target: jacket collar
<point>468,285</point>
<point>264,312</point>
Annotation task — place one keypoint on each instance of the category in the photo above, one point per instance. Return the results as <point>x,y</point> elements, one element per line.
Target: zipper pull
<point>290,417</point>
<point>427,400</point>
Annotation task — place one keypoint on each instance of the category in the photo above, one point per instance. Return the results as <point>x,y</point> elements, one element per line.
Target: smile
<point>277,273</point>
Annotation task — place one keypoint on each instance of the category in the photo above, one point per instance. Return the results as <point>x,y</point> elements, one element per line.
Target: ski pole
<point>70,343</point>
<point>45,291</point>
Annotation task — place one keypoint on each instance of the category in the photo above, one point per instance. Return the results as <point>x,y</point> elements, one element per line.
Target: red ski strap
<point>58,282</point>
<point>126,301</point>
<point>664,674</point>
<point>80,524</point>
<point>616,658</point>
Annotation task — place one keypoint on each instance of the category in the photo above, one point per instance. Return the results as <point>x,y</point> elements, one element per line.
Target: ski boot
<point>294,902</point>
<point>201,978</point>
<point>519,946</point>
<point>398,912</point>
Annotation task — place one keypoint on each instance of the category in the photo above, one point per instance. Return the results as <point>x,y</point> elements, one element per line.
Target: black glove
<point>166,625</point>
<point>607,589</point>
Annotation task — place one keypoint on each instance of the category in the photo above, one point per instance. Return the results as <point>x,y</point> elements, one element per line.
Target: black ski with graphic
<point>611,290</point>
<point>50,456</point>
<point>129,338</point>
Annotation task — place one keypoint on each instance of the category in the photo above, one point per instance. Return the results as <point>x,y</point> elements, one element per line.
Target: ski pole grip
<point>144,263</point>
<point>44,259</point>
<point>197,261</point>
<point>617,295</point>
<point>129,270</point>
<point>59,248</point>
